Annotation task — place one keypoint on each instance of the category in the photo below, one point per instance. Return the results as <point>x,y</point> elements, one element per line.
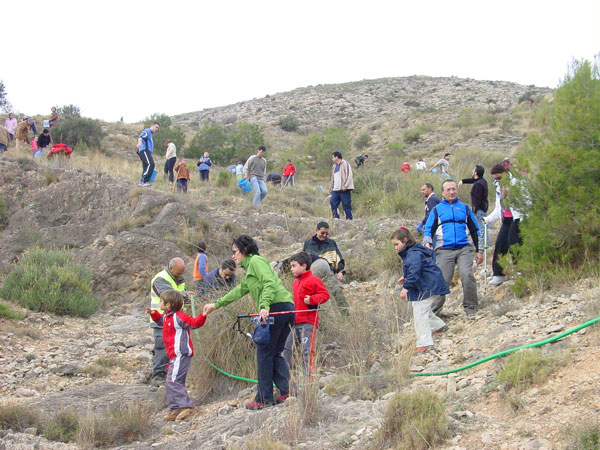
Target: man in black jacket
<point>320,244</point>
<point>479,196</point>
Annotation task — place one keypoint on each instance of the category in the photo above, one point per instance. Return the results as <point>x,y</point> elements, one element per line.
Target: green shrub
<point>74,130</point>
<point>4,214</point>
<point>321,145</point>
<point>363,141</point>
<point>413,135</point>
<point>560,176</point>
<point>412,103</point>
<point>61,427</point>
<point>49,280</point>
<point>396,148</point>
<point>528,367</point>
<point>211,138</point>
<point>224,178</point>
<point>586,436</point>
<point>120,426</point>
<point>18,417</point>
<point>415,420</point>
<point>288,123</point>
<point>6,312</point>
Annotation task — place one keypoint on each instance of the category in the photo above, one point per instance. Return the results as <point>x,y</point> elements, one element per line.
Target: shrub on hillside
<point>528,367</point>
<point>61,427</point>
<point>224,179</point>
<point>121,425</point>
<point>321,145</point>
<point>415,420</point>
<point>288,123</point>
<point>74,130</point>
<point>49,280</point>
<point>559,181</point>
<point>209,139</point>
<point>363,141</point>
<point>18,417</point>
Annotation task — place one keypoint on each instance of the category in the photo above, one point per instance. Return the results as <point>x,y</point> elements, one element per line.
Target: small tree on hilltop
<point>5,105</point>
<point>69,110</point>
<point>559,187</point>
<point>245,139</point>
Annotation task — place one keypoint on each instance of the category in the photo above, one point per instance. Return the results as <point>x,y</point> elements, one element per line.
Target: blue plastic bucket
<point>153,176</point>
<point>244,185</point>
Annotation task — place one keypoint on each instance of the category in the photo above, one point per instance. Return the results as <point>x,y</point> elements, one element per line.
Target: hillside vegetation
<point>71,381</point>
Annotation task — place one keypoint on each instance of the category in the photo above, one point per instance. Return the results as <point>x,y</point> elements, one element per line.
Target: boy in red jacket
<point>309,293</point>
<point>176,327</point>
<point>288,174</point>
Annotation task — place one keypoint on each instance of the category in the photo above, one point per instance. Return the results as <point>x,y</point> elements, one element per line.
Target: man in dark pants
<point>145,147</point>
<point>454,221</point>
<point>171,278</point>
<point>341,186</point>
<point>479,196</point>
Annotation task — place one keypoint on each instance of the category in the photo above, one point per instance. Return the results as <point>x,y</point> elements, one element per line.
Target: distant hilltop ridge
<point>317,107</point>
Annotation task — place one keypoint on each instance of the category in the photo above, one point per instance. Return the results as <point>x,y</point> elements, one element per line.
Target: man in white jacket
<point>509,233</point>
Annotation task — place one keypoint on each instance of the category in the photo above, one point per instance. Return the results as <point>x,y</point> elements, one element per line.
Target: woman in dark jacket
<point>423,282</point>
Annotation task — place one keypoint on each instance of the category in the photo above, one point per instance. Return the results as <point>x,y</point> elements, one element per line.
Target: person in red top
<point>309,292</point>
<point>176,327</point>
<point>405,168</point>
<point>288,174</point>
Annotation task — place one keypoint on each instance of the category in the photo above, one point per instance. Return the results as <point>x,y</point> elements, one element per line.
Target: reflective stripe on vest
<point>154,297</point>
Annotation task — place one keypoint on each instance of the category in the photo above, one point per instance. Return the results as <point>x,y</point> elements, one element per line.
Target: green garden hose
<point>512,350</point>
<point>446,372</point>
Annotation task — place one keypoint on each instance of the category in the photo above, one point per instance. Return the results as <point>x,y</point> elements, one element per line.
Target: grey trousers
<point>160,359</point>
<point>446,259</point>
<point>175,383</point>
<point>320,268</point>
<point>303,333</point>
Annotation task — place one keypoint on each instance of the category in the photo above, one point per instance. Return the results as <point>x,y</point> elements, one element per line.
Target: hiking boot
<point>441,330</point>
<point>422,349</point>
<point>157,380</point>
<point>282,398</point>
<point>471,311</point>
<point>171,416</point>
<point>498,280</point>
<point>184,413</point>
<point>253,405</point>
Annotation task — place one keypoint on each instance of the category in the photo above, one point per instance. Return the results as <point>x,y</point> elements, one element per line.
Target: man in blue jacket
<point>451,221</point>
<point>145,147</point>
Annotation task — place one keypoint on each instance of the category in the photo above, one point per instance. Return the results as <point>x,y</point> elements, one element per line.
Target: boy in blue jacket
<point>423,283</point>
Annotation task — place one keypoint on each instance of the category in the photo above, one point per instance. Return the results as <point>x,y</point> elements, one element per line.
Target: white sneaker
<point>498,280</point>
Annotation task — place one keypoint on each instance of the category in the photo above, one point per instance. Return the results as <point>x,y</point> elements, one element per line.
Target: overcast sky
<point>133,58</point>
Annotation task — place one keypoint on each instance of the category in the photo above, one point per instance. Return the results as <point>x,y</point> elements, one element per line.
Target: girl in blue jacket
<point>423,282</point>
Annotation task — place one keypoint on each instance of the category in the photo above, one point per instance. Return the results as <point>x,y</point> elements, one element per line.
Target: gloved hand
<point>419,228</point>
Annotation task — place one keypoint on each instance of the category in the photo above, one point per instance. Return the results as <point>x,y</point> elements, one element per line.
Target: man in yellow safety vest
<point>171,278</point>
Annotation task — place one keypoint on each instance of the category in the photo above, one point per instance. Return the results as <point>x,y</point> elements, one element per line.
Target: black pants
<point>147,165</point>
<point>272,367</point>
<point>204,175</point>
<point>169,164</point>
<point>508,236</point>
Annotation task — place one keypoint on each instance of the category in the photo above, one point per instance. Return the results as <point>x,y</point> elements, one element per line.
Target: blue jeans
<point>260,190</point>
<point>2,148</point>
<point>346,198</point>
<point>479,215</point>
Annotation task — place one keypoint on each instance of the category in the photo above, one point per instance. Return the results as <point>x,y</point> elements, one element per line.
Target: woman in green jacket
<point>269,295</point>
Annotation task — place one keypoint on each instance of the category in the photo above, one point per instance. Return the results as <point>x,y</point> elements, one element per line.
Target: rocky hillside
<point>385,108</point>
<point>125,234</point>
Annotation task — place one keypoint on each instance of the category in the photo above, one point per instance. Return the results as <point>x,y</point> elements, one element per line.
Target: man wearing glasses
<point>322,245</point>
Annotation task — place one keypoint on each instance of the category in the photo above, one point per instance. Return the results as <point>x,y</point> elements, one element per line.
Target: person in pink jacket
<point>11,125</point>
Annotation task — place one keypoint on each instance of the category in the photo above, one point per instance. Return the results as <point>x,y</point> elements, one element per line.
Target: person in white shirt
<point>170,157</point>
<point>421,165</point>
